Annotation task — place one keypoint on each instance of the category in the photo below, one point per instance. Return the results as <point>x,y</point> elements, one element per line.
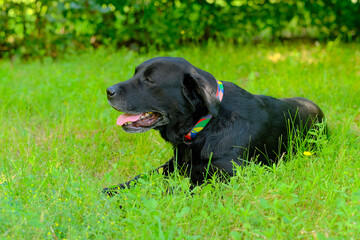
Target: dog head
<point>164,92</point>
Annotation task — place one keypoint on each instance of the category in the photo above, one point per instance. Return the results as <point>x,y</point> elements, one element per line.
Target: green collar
<point>189,137</point>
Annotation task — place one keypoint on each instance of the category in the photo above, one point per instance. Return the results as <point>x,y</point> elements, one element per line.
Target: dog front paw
<point>112,191</point>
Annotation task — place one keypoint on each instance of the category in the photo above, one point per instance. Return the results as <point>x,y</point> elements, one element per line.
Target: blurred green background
<point>37,28</point>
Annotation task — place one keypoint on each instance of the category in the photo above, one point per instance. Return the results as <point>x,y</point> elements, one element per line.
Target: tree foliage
<point>49,27</point>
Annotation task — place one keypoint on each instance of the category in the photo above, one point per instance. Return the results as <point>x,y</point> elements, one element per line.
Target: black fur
<point>244,126</point>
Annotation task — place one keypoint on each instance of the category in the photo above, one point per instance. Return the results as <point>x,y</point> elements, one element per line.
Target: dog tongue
<point>123,118</point>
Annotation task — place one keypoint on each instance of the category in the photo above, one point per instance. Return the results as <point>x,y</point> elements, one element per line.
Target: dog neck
<point>190,136</point>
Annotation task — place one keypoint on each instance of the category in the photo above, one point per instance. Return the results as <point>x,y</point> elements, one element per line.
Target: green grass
<point>59,146</point>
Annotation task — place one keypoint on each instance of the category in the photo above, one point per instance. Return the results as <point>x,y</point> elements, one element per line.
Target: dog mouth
<point>138,122</point>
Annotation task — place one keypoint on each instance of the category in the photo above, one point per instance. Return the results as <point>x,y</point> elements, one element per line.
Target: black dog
<point>171,95</point>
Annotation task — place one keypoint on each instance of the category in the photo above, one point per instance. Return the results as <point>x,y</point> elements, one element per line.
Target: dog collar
<point>188,138</point>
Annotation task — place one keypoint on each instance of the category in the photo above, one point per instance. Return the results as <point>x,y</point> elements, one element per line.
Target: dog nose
<point>110,91</point>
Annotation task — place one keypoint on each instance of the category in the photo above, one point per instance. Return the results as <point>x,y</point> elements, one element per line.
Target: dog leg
<point>165,169</point>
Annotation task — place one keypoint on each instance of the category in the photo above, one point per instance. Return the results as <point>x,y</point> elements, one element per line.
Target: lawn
<point>59,146</point>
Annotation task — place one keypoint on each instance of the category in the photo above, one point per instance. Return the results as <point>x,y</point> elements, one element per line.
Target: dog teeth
<point>145,115</point>
<point>127,123</point>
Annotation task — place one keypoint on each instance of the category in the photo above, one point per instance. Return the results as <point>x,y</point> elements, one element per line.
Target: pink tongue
<point>123,118</point>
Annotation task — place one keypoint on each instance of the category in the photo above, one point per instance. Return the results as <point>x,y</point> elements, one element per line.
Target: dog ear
<point>204,84</point>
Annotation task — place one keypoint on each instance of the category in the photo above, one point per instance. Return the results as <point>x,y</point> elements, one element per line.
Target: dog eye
<point>149,80</point>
